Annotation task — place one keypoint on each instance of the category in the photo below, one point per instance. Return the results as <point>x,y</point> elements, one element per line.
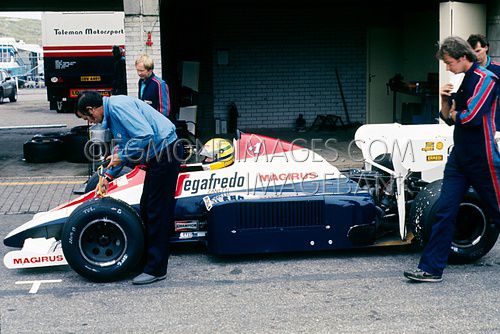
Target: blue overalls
<point>154,91</point>
<point>474,161</point>
<point>494,67</point>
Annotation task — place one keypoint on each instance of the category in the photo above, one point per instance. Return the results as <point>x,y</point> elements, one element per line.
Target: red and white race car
<point>275,197</point>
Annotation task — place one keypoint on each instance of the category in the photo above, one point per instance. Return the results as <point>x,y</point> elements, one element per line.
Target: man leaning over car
<point>137,127</point>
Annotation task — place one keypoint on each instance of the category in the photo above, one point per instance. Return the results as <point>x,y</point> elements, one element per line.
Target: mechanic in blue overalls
<point>481,46</point>
<point>141,132</point>
<point>475,158</point>
<point>152,89</point>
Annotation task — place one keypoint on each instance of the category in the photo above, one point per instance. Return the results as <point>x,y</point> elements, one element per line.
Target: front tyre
<point>475,233</point>
<point>103,239</point>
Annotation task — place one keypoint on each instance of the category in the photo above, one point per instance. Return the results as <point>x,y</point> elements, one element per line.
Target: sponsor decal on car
<point>212,183</point>
<point>38,259</point>
<point>288,176</point>
<point>429,146</point>
<point>437,157</point>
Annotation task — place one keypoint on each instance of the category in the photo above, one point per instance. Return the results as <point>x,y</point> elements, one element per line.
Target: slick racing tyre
<point>94,179</point>
<point>103,239</point>
<point>53,135</point>
<point>74,147</point>
<point>81,129</point>
<point>39,150</point>
<point>475,233</point>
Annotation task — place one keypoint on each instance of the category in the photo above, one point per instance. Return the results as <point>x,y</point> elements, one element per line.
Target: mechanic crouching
<point>143,136</point>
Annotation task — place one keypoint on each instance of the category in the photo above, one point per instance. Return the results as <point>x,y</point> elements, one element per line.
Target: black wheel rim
<point>103,242</point>
<point>470,226</point>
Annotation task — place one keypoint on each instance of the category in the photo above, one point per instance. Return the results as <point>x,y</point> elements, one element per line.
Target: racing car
<point>266,195</point>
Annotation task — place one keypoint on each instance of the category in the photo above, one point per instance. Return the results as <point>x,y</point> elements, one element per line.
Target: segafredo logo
<point>39,259</point>
<point>212,183</point>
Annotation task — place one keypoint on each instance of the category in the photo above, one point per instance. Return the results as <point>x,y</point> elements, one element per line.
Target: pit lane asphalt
<point>359,291</point>
<point>356,291</point>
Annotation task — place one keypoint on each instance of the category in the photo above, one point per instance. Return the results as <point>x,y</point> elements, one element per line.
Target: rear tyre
<point>39,150</point>
<point>103,239</point>
<point>475,233</point>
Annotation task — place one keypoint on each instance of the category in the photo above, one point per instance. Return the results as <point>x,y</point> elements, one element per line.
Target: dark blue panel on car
<point>286,224</point>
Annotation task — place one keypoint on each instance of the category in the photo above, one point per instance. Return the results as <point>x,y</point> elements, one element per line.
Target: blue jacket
<point>494,67</point>
<point>139,132</point>
<point>155,92</point>
<point>476,103</point>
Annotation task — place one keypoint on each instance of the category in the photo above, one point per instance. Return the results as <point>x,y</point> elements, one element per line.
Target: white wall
<point>141,17</point>
<point>281,62</point>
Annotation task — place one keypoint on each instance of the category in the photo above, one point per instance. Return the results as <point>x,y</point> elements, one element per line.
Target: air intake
<point>279,214</point>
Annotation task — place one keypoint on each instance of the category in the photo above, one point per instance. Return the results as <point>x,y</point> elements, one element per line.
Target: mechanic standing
<point>144,136</point>
<point>152,89</point>
<point>475,158</point>
<point>120,75</point>
<point>481,46</point>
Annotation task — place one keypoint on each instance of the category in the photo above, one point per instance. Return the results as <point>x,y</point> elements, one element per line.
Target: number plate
<point>87,78</point>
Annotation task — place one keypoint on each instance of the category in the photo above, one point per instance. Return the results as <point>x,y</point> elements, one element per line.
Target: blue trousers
<point>157,209</point>
<point>459,175</point>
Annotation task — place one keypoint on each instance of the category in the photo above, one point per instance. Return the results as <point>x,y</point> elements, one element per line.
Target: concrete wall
<point>141,17</point>
<point>493,29</point>
<point>281,62</point>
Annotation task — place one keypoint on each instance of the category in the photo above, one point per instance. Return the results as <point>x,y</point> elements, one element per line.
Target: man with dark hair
<point>475,158</point>
<point>481,46</point>
<point>145,136</point>
<point>120,76</point>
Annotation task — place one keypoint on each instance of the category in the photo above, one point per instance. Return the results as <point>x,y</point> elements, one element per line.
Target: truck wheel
<point>103,239</point>
<point>64,107</point>
<point>39,150</point>
<point>475,233</point>
<point>59,107</point>
<point>94,179</point>
<point>13,97</point>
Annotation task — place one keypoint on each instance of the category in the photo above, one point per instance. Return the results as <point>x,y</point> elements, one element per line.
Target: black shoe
<point>422,276</point>
<point>147,278</point>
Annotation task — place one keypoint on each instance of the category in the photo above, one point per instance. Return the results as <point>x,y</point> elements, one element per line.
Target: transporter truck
<point>77,50</point>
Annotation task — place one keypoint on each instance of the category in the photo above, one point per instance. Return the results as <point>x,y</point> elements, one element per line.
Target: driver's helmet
<point>218,153</point>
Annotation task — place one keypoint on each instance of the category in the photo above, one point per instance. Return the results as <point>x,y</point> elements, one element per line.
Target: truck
<point>77,50</point>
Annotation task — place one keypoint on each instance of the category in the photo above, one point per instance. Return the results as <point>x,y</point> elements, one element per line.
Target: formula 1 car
<point>275,197</point>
